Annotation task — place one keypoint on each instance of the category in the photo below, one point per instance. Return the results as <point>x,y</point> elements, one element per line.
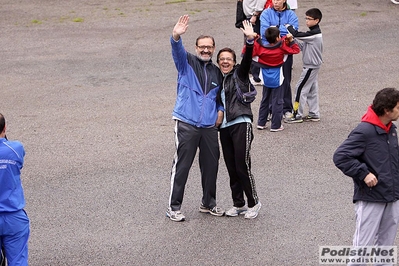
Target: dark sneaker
<point>175,216</point>
<point>311,119</point>
<point>292,120</point>
<point>256,82</point>
<point>216,211</point>
<point>257,79</point>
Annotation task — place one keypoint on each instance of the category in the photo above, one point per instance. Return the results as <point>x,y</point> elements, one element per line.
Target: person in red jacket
<point>369,155</point>
<point>271,58</point>
<point>269,3</point>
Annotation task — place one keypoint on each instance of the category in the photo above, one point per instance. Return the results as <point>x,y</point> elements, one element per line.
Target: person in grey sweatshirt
<point>307,88</point>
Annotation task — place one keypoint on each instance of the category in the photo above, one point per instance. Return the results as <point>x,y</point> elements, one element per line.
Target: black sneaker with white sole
<point>216,211</point>
<point>309,118</point>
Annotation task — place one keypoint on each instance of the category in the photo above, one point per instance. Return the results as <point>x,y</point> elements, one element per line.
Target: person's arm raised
<point>181,27</point>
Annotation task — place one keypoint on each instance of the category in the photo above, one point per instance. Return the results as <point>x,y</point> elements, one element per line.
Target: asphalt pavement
<point>89,86</point>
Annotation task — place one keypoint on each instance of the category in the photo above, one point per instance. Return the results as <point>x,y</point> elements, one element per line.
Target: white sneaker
<point>175,216</point>
<point>235,211</point>
<point>261,127</point>
<point>281,128</point>
<point>287,115</point>
<point>253,212</point>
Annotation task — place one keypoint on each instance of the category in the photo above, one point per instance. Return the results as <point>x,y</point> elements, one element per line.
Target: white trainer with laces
<point>253,212</point>
<point>235,211</point>
<point>287,115</point>
<point>175,216</point>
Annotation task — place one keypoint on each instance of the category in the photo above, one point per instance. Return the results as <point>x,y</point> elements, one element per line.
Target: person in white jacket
<point>293,4</point>
<point>252,10</point>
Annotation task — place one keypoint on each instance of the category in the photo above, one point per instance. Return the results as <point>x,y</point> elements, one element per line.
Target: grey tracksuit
<point>307,88</point>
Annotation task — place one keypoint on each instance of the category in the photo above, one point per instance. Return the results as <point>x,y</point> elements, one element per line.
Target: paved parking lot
<point>89,87</point>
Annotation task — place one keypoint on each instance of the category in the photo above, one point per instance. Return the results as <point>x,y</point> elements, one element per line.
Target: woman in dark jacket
<point>236,130</point>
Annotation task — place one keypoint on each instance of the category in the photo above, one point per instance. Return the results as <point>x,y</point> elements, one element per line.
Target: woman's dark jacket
<point>233,107</point>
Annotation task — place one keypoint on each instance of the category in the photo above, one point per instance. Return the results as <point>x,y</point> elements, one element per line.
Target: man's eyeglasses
<point>203,47</point>
<point>310,18</point>
<point>221,59</point>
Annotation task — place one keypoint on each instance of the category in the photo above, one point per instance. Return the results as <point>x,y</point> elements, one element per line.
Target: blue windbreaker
<point>197,87</point>
<point>11,162</point>
<point>272,17</point>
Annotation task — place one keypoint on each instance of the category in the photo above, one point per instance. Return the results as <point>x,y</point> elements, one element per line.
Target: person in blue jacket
<point>279,15</point>
<point>14,222</point>
<point>370,156</point>
<point>197,113</point>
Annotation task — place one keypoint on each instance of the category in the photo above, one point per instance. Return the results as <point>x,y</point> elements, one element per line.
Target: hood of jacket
<point>371,117</point>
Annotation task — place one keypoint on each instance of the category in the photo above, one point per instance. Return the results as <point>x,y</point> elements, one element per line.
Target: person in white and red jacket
<point>252,10</point>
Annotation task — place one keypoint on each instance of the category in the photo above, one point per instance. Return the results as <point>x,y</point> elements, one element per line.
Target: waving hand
<point>180,27</point>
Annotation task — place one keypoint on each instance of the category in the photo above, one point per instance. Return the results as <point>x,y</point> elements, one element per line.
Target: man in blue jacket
<point>14,223</point>
<point>370,155</point>
<point>197,113</point>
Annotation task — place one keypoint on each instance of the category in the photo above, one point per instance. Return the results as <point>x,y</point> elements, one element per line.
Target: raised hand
<point>248,30</point>
<point>180,27</point>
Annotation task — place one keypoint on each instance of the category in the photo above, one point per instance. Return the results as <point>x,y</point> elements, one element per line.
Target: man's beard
<point>201,56</point>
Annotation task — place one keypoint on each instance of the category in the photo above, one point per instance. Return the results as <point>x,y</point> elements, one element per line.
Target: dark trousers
<point>255,70</point>
<point>271,98</point>
<point>188,139</point>
<point>236,145</point>
<point>286,86</point>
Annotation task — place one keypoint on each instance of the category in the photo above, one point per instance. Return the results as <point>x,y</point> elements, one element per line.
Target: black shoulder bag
<point>244,97</point>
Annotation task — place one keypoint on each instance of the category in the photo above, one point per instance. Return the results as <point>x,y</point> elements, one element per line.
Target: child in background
<point>307,88</point>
